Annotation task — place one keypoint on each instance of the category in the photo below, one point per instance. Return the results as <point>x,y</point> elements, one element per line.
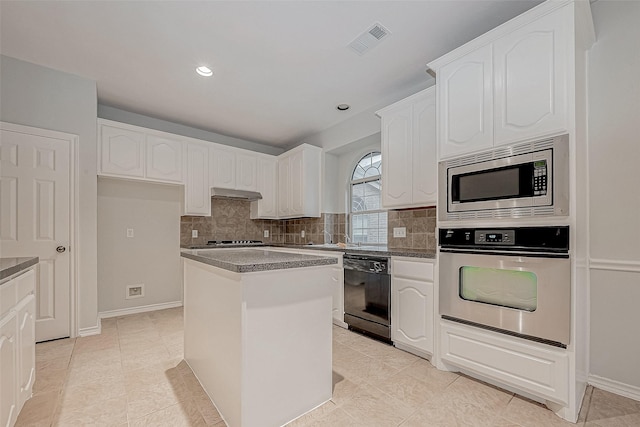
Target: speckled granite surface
<point>11,266</point>
<point>364,250</point>
<point>248,260</point>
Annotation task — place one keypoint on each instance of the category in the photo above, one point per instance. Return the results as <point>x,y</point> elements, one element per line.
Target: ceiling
<point>280,67</point>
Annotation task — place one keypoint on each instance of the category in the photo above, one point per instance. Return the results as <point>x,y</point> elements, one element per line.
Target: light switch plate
<point>302,234</point>
<point>129,232</point>
<point>194,234</point>
<point>266,233</point>
<point>399,231</point>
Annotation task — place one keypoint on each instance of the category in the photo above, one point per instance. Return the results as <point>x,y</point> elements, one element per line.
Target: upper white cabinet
<point>164,159</point>
<point>409,159</point>
<point>234,168</point>
<point>511,84</point>
<point>267,186</point>
<point>197,189</point>
<point>299,177</point>
<point>121,151</point>
<point>132,152</point>
<point>465,94</point>
<point>413,307</point>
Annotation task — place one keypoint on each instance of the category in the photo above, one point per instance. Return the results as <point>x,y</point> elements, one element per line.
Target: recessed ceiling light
<point>343,107</point>
<point>204,71</point>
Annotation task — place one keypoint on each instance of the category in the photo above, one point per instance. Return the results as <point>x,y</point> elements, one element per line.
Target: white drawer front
<point>8,297</point>
<point>413,269</point>
<point>534,368</point>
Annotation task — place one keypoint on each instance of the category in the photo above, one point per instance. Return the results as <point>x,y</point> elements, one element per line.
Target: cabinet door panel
<point>267,185</point>
<point>246,172</point>
<point>197,189</point>
<point>8,373</point>
<point>531,80</point>
<point>27,348</point>
<point>122,152</point>
<point>283,187</point>
<point>466,104</point>
<point>296,183</point>
<point>396,155</point>
<point>413,313</point>
<point>164,159</point>
<point>224,168</point>
<point>424,155</point>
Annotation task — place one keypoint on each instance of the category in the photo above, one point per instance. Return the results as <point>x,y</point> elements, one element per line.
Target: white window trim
<point>353,182</point>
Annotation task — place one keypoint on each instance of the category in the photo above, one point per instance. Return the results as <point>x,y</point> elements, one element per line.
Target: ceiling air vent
<point>369,39</point>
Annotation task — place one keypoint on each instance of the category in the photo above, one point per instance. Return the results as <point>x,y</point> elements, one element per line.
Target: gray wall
<point>614,151</point>
<point>118,115</point>
<point>41,97</point>
<point>151,256</point>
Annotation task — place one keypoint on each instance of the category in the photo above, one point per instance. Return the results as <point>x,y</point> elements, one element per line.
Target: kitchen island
<point>258,331</point>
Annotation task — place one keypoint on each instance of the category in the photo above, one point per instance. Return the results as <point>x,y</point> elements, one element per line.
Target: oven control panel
<point>494,237</point>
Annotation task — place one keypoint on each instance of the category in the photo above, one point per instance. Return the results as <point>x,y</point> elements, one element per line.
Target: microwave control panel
<point>540,178</point>
<point>494,237</point>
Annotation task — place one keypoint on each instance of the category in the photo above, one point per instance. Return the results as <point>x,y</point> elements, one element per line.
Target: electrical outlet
<point>399,231</point>
<point>135,291</point>
<point>266,233</point>
<point>194,234</point>
<point>302,234</point>
<point>129,232</point>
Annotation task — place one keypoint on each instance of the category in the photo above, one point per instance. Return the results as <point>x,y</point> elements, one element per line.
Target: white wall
<point>344,160</point>
<point>151,256</point>
<point>614,151</point>
<point>41,97</point>
<point>118,115</point>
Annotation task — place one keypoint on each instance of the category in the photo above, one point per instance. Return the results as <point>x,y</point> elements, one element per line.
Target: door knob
<point>61,249</point>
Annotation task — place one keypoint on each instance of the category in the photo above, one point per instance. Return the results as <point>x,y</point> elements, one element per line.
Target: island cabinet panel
<point>409,159</point>
<point>8,370</point>
<point>260,342</point>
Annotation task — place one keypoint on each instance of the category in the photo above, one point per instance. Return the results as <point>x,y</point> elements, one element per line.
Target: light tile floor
<point>133,375</point>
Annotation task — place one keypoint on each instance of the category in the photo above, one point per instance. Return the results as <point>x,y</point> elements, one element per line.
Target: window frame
<point>351,184</point>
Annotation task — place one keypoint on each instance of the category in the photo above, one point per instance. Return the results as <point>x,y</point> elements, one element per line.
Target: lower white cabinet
<point>412,304</point>
<point>538,369</point>
<point>337,277</point>
<point>17,345</point>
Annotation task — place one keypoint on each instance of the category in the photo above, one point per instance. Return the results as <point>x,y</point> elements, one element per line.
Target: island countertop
<point>11,266</point>
<point>248,260</point>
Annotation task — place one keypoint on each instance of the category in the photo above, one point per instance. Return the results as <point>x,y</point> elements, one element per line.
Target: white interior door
<point>35,220</point>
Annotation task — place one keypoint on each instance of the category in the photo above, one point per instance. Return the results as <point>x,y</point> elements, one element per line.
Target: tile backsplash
<point>230,220</point>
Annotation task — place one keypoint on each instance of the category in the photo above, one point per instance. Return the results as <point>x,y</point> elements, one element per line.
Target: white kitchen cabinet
<point>132,152</point>
<point>17,345</point>
<point>299,176</point>
<point>246,171</point>
<point>409,159</point>
<point>121,151</point>
<point>412,309</point>
<point>465,98</point>
<point>223,167</point>
<point>267,174</point>
<point>511,84</point>
<point>197,191</point>
<point>164,159</point>
<point>530,77</point>
<point>337,278</point>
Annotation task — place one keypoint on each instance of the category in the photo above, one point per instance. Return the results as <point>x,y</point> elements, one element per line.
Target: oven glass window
<point>506,288</point>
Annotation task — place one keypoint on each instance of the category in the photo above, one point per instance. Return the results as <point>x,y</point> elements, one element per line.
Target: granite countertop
<point>11,266</point>
<point>248,260</point>
<point>363,250</point>
<point>368,250</point>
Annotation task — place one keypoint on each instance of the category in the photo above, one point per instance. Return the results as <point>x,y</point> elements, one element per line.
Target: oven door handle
<point>505,253</point>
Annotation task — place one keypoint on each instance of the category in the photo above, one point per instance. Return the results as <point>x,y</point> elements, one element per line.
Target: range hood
<point>235,194</point>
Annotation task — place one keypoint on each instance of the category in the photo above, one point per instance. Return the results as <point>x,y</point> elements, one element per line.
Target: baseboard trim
<point>93,330</point>
<point>139,309</point>
<point>626,390</point>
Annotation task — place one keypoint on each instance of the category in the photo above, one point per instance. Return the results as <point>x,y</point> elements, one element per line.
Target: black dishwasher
<point>367,295</point>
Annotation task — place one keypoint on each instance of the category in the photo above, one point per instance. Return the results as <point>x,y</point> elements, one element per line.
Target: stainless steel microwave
<point>523,180</point>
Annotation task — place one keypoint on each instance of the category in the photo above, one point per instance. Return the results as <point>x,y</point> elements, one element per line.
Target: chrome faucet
<point>330,236</point>
<point>347,239</point>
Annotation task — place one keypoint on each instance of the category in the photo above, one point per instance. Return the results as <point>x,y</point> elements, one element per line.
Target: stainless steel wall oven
<point>511,280</point>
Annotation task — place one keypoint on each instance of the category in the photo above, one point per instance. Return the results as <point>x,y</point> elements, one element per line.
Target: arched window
<point>368,219</point>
